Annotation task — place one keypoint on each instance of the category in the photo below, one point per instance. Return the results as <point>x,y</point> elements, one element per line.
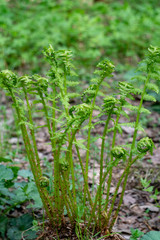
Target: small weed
<point>136,234</point>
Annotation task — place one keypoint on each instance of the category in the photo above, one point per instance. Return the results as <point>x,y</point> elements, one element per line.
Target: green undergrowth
<point>138,235</point>
<point>17,189</point>
<point>90,29</point>
<point>16,228</point>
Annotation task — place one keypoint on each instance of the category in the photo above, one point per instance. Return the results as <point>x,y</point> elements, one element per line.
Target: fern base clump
<point>58,191</point>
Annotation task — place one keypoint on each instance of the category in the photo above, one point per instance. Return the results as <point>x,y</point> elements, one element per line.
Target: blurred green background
<point>119,30</point>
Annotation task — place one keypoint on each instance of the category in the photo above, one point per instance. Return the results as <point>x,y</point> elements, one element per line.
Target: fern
<point>51,97</point>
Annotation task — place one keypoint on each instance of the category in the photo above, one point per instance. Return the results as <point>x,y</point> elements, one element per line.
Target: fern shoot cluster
<point>51,97</point>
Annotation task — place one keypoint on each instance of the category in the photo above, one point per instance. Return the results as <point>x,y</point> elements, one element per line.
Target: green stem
<point>67,203</point>
<point>65,81</point>
<point>84,176</point>
<point>66,186</point>
<point>111,170</point>
<point>69,158</point>
<point>64,135</point>
<point>138,116</point>
<point>132,147</point>
<point>56,170</point>
<point>33,133</point>
<point>116,191</point>
<point>53,121</point>
<point>30,154</point>
<point>96,198</point>
<point>86,183</point>
<point>89,138</point>
<point>26,139</point>
<point>47,117</point>
<point>101,164</point>
<point>57,180</point>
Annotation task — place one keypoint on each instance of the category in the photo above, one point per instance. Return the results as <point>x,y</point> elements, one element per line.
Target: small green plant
<point>12,195</point>
<point>153,193</point>
<point>51,98</point>
<point>136,234</point>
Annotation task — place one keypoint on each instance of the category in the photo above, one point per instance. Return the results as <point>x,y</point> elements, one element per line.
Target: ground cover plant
<point>120,30</point>
<point>51,98</point>
<point>14,194</point>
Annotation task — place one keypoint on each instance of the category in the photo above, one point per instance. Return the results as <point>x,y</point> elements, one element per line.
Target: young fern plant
<point>51,97</point>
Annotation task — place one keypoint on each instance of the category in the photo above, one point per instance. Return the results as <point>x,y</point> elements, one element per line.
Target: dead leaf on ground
<point>128,200</point>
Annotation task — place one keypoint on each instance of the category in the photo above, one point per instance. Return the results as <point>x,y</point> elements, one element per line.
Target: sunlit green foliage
<point>118,29</point>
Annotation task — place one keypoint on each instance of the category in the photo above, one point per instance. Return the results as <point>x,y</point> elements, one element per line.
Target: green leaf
<point>5,159</point>
<point>137,91</point>
<point>80,144</point>
<point>131,107</point>
<point>145,183</point>
<point>6,173</point>
<point>19,197</point>
<point>26,123</point>
<point>140,128</point>
<point>72,84</point>
<point>36,101</point>
<point>148,97</point>
<point>101,94</point>
<point>124,114</point>
<point>28,235</point>
<point>18,226</point>
<point>128,124</point>
<point>14,170</point>
<point>93,139</point>
<point>73,95</point>
<point>99,122</point>
<point>136,233</point>
<point>144,110</point>
<point>14,234</point>
<point>3,225</point>
<point>32,193</point>
<point>119,129</point>
<point>42,126</point>
<point>149,189</point>
<point>25,173</point>
<point>153,87</point>
<point>4,190</point>
<point>153,235</point>
<point>139,78</point>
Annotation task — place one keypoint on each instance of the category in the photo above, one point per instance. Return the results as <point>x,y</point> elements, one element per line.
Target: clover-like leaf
<point>6,173</point>
<point>152,235</point>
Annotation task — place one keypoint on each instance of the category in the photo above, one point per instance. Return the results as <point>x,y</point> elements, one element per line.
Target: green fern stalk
<point>153,58</point>
<point>63,121</point>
